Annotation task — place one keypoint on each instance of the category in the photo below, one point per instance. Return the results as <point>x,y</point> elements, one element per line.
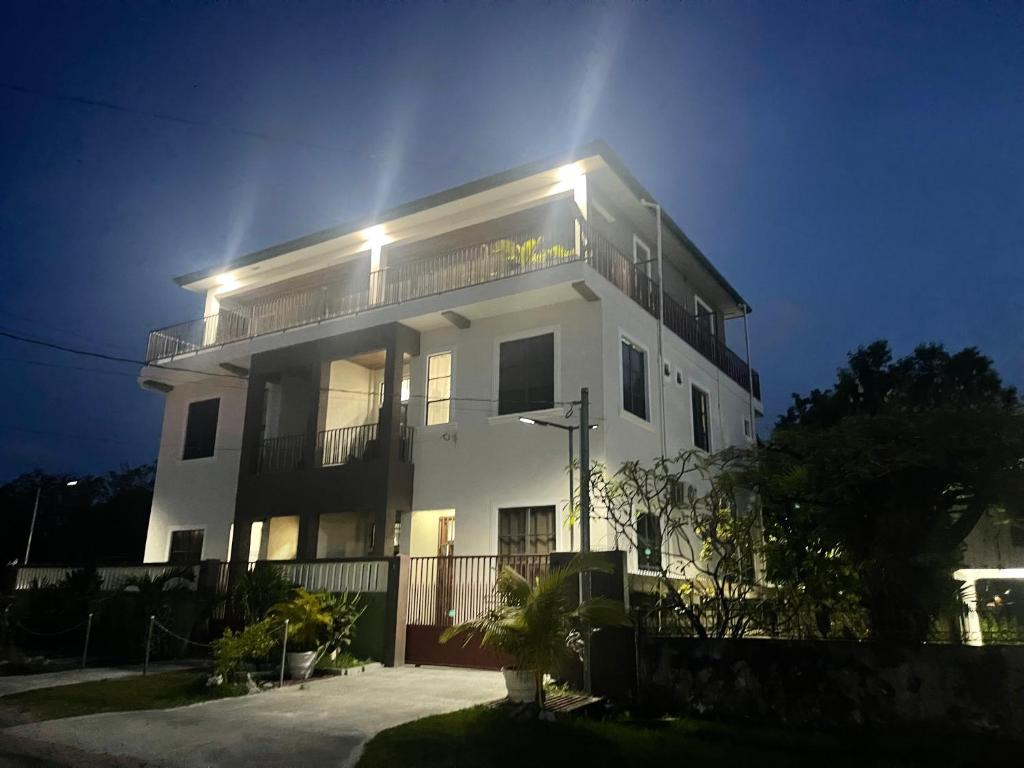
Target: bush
<point>234,651</point>
<point>345,611</point>
<point>257,591</point>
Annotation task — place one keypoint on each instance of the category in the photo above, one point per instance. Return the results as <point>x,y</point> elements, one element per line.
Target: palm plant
<point>531,252</point>
<point>537,624</point>
<point>309,620</point>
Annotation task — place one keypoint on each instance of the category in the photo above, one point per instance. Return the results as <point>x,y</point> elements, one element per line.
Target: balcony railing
<point>334,447</point>
<point>498,259</point>
<point>686,326</point>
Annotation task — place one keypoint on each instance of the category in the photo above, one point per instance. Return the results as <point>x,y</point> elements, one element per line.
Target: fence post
<point>85,646</point>
<point>284,650</point>
<point>149,639</point>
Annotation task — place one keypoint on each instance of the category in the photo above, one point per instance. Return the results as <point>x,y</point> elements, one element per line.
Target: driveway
<point>324,723</point>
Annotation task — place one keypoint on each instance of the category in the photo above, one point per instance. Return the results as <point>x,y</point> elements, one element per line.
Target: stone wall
<point>836,683</point>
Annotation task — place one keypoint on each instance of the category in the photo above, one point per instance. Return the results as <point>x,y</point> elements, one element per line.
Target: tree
<point>883,476</point>
<point>695,531</point>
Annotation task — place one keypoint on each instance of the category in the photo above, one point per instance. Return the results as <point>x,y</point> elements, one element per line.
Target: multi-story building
<point>364,388</point>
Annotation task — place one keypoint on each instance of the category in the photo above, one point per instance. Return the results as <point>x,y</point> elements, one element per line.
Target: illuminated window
<point>439,388</point>
<point>648,542</point>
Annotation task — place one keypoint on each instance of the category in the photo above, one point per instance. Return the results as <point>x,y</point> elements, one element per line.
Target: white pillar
<point>970,623</point>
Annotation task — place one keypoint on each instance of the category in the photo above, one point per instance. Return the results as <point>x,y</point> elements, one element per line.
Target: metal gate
<point>444,591</point>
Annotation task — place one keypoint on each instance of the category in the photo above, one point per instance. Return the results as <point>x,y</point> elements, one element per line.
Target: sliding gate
<point>444,591</point>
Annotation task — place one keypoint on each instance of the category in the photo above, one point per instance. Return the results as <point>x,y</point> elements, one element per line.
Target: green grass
<point>488,737</point>
<point>161,691</point>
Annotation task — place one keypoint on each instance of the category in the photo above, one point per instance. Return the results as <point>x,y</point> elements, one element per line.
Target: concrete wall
<point>198,493</point>
<point>989,545</point>
<point>346,408</point>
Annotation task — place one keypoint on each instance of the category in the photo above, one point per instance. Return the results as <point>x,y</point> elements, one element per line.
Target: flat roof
<point>595,148</point>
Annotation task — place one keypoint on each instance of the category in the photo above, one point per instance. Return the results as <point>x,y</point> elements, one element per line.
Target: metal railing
<point>114,577</point>
<point>341,575</point>
<point>448,590</point>
<point>508,256</point>
<point>685,325</point>
<point>281,454</point>
<point>345,444</point>
<point>497,259</point>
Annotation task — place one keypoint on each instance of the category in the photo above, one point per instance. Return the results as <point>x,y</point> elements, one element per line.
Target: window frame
<point>645,562</point>
<point>173,529</point>
<point>556,332</point>
<point>625,338</point>
<point>698,304</point>
<point>529,531</point>
<point>646,262</point>
<point>693,432</point>
<point>184,430</point>
<point>450,351</point>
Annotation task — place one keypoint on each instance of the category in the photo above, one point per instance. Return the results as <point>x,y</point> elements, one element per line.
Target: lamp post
<point>570,428</point>
<point>35,511</point>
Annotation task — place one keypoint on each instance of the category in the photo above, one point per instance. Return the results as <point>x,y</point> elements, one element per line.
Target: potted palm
<point>537,626</point>
<point>309,625</point>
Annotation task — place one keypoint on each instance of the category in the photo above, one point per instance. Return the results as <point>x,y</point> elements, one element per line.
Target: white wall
<point>481,462</point>
<point>199,493</point>
<point>347,408</point>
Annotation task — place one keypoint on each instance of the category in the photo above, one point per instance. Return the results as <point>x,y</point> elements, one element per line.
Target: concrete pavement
<point>324,724</point>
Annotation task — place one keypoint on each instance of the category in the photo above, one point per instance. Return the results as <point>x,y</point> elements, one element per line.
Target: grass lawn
<point>161,691</point>
<point>488,737</point>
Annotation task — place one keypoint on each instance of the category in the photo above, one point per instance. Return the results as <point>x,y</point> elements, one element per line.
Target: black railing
<point>281,454</point>
<point>345,444</point>
<point>619,270</point>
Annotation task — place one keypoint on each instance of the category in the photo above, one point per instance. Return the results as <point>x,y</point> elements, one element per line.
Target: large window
<point>526,531</point>
<point>201,429</point>
<point>439,388</point>
<point>634,380</point>
<point>701,419</point>
<point>648,542</point>
<point>526,374</point>
<point>186,547</point>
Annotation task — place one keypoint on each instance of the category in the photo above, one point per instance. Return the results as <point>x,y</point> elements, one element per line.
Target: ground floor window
<point>186,547</point>
<point>648,542</point>
<point>526,530</point>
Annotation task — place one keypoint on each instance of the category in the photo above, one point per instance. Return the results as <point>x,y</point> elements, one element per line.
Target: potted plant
<point>309,624</point>
<point>531,253</point>
<point>537,626</point>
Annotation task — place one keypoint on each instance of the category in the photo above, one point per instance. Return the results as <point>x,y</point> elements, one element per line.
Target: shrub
<point>345,610</point>
<point>257,591</point>
<point>234,651</point>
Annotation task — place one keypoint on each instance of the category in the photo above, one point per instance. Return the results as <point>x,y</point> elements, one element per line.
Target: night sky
<point>855,169</point>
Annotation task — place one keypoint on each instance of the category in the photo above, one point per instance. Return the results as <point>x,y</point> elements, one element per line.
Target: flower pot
<point>520,684</point>
<point>300,664</point>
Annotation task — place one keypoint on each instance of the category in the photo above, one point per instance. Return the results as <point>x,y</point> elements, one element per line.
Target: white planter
<point>300,664</point>
<point>520,684</point>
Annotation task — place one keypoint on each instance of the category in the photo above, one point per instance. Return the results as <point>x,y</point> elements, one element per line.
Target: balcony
<point>334,447</point>
<point>499,259</point>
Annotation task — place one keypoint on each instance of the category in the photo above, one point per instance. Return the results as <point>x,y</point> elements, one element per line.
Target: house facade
<point>369,389</point>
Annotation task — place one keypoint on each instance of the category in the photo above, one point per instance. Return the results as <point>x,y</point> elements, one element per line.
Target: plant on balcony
<point>537,626</point>
<point>530,253</point>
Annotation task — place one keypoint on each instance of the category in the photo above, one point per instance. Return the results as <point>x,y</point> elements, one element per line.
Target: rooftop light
<point>569,174</point>
<point>526,420</point>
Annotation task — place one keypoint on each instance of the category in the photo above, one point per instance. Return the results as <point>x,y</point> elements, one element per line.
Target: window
<point>201,429</point>
<point>439,388</point>
<point>526,374</point>
<point>701,419</point>
<point>526,531</point>
<point>186,547</point>
<point>641,255</point>
<point>634,380</point>
<point>677,492</point>
<point>648,542</point>
<point>705,316</point>
<point>406,386</point>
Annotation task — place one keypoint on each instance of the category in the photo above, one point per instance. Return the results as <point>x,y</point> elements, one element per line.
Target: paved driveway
<point>325,724</point>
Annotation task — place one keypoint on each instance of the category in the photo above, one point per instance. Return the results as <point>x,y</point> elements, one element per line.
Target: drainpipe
<point>750,374</point>
<point>661,328</point>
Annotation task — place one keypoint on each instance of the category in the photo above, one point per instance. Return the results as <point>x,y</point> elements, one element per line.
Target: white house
<point>363,388</point>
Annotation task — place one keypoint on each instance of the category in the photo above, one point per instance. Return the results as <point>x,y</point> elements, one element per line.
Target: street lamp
<point>570,428</point>
<point>35,511</point>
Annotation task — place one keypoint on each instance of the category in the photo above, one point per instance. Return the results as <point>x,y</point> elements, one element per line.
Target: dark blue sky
<point>855,169</point>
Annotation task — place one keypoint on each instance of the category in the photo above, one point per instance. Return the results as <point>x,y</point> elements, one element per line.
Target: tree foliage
<point>872,486</point>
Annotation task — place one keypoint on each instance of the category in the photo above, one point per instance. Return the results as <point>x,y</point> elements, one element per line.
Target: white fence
<point>115,577</point>
<point>336,575</point>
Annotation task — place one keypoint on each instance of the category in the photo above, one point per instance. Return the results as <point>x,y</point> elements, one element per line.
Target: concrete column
<point>399,569</point>
<point>309,521</point>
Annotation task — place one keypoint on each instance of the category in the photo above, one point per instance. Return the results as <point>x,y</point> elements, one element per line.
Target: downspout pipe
<point>661,329</point>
